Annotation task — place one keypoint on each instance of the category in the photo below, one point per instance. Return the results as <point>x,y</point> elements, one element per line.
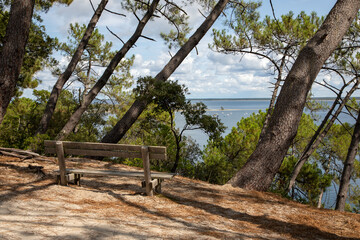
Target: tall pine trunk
<point>348,167</point>
<point>260,169</point>
<point>13,51</point>
<point>124,124</point>
<point>76,116</point>
<point>64,77</point>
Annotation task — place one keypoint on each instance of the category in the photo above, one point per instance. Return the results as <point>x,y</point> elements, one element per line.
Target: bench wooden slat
<point>104,146</point>
<point>106,153</point>
<point>119,173</point>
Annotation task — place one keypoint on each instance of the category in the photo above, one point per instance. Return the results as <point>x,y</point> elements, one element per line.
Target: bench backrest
<point>105,149</point>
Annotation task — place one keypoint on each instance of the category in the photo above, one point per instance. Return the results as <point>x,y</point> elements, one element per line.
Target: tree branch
<point>120,14</point>
<point>115,35</point>
<point>148,38</point>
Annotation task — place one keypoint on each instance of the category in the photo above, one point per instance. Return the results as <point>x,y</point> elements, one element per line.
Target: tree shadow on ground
<point>43,182</point>
<point>30,187</point>
<point>200,228</point>
<point>100,185</point>
<point>297,231</point>
<point>90,231</point>
<point>215,193</point>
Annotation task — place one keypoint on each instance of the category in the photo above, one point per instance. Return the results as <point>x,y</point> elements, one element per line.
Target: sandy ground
<point>32,206</point>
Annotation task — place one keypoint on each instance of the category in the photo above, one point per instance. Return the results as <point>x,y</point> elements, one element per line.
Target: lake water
<point>230,111</point>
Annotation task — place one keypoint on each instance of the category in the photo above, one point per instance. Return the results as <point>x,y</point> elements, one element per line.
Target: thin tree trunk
<point>273,97</point>
<point>13,50</point>
<point>64,77</point>
<point>318,136</point>
<point>76,116</point>
<point>260,169</point>
<point>319,204</point>
<point>177,157</point>
<point>124,124</point>
<point>348,167</point>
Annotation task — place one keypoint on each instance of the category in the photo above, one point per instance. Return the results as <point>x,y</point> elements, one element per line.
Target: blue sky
<point>208,74</point>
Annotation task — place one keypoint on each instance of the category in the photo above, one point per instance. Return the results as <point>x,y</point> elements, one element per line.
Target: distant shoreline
<point>227,110</point>
<point>255,99</point>
<point>230,99</point>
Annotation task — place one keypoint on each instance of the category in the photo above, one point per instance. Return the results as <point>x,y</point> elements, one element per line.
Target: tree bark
<point>319,204</point>
<point>274,94</point>
<point>76,116</point>
<point>260,169</point>
<point>64,77</point>
<point>177,157</point>
<point>124,124</point>
<point>13,51</point>
<point>348,167</point>
<point>318,136</point>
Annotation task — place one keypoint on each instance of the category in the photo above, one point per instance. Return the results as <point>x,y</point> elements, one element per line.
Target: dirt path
<point>32,206</point>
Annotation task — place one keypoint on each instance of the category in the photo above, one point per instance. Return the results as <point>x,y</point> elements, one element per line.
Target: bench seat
<point>152,180</point>
<point>158,175</point>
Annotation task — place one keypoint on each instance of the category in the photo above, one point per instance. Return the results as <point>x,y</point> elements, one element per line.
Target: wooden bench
<point>152,181</point>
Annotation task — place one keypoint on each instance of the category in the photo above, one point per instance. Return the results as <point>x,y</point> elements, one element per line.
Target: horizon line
<point>210,99</point>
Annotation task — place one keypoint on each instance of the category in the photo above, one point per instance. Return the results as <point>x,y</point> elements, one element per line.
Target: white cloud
<point>206,74</point>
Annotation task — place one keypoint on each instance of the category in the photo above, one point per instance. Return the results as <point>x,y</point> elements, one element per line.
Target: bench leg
<point>155,185</point>
<point>69,177</point>
<point>77,179</point>
<point>158,187</point>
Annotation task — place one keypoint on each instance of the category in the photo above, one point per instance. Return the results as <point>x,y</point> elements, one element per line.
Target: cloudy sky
<point>207,74</point>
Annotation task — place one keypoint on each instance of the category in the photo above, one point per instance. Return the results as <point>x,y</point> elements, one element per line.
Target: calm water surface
<point>231,111</point>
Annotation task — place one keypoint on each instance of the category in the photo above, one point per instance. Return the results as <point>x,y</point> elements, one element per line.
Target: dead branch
<point>92,5</point>
<point>176,6</point>
<point>134,12</point>
<point>120,14</point>
<point>148,38</point>
<point>201,13</point>
<point>20,152</point>
<point>115,35</point>
<point>10,154</point>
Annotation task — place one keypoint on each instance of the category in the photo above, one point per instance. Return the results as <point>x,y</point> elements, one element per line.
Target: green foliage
<point>216,167</point>
<point>19,123</point>
<point>346,58</point>
<point>96,50</point>
<point>40,5</point>
<point>97,55</point>
<point>179,19</point>
<point>38,49</point>
<point>23,114</point>
<point>305,132</point>
<point>353,106</point>
<point>279,41</point>
<point>224,158</point>
<point>339,138</point>
<point>169,97</point>
<point>45,5</point>
<point>354,199</point>
<point>310,182</point>
<point>315,106</point>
